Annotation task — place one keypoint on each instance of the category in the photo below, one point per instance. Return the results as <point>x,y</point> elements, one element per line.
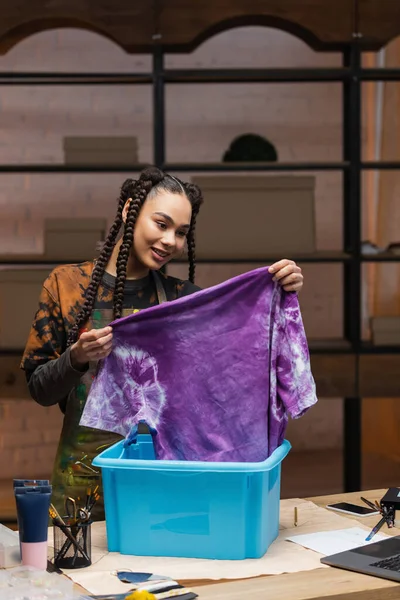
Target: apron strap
<point>161,295</point>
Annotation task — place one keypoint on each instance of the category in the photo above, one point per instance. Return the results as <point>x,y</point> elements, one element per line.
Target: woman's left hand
<point>288,275</point>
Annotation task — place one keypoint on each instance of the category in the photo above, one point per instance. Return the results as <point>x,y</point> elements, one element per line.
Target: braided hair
<point>151,181</point>
<point>196,199</point>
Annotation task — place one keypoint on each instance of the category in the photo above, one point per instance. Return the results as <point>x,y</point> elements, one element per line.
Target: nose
<point>168,239</point>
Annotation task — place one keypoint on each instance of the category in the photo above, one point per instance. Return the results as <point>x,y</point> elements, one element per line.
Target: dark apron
<point>73,472</point>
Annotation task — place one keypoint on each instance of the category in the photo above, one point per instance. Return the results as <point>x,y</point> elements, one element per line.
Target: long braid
<point>195,197</point>
<point>123,256</point>
<point>148,179</point>
<point>191,245</point>
<point>98,271</point>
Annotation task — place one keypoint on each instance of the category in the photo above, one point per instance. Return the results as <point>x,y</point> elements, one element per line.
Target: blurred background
<point>288,119</point>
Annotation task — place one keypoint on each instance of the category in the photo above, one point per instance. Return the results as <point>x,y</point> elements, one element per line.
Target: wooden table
<point>319,584</point>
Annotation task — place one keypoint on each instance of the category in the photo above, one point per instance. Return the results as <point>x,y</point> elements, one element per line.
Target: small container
<point>10,553</point>
<point>192,509</point>
<point>72,545</point>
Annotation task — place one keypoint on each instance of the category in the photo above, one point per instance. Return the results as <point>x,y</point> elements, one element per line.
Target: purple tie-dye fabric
<point>216,373</point>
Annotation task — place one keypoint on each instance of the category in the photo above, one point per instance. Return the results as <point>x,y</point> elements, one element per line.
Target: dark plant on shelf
<point>250,147</point>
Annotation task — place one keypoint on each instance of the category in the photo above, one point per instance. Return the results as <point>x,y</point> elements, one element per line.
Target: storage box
<point>100,150</point>
<point>255,217</point>
<point>191,509</point>
<point>74,240</point>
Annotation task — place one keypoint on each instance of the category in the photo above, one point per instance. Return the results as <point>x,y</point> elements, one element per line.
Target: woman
<point>70,333</point>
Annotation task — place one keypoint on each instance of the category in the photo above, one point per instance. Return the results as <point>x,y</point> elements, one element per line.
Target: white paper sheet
<point>332,542</point>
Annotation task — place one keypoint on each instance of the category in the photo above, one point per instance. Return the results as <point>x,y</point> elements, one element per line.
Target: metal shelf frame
<point>351,77</point>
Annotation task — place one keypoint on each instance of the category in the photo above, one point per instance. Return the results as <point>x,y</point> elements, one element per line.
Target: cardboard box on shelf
<point>100,150</point>
<point>73,240</point>
<point>252,217</point>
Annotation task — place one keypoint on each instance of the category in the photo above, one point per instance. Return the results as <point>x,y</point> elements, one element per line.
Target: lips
<point>160,253</point>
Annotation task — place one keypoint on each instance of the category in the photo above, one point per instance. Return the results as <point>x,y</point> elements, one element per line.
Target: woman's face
<point>161,229</point>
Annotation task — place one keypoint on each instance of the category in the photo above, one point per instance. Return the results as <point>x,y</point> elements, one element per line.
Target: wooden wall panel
<point>334,374</point>
<point>380,375</point>
<point>12,378</point>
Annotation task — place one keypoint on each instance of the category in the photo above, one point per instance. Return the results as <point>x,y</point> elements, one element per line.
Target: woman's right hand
<point>92,345</point>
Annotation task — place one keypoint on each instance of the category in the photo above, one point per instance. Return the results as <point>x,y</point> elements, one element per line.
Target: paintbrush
<point>95,498</point>
<point>88,496</point>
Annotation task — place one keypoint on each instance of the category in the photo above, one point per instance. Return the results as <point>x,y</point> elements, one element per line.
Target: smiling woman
<point>71,332</point>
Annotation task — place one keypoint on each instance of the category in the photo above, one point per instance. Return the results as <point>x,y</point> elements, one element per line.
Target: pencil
<point>295,516</point>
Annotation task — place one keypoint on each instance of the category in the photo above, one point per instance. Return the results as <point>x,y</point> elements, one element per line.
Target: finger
<point>103,340</point>
<point>86,336</point>
<point>294,284</point>
<point>295,287</point>
<point>95,334</point>
<point>108,347</point>
<point>286,271</point>
<point>280,265</point>
<point>100,354</point>
<point>101,350</point>
<point>293,278</point>
<point>98,343</point>
<point>99,333</point>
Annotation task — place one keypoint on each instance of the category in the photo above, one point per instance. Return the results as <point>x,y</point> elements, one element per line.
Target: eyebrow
<point>170,220</point>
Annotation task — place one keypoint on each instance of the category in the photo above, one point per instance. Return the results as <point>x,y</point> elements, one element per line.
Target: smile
<point>160,253</point>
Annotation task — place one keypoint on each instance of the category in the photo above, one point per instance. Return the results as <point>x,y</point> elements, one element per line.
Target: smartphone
<point>353,509</point>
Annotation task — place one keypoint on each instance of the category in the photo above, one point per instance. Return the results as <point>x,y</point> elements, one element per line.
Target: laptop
<point>381,559</point>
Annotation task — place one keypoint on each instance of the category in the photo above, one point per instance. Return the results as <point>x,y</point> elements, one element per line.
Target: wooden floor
<point>304,474</point>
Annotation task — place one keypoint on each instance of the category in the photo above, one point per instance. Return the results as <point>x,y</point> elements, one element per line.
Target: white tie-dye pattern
<point>141,396</point>
<point>289,348</point>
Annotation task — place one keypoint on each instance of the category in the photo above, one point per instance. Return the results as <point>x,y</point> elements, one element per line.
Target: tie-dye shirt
<point>215,374</point>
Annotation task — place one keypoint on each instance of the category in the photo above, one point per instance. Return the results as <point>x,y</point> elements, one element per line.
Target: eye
<point>181,234</point>
<point>161,225</point>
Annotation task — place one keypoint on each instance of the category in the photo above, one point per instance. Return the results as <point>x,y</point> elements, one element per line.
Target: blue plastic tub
<point>191,509</point>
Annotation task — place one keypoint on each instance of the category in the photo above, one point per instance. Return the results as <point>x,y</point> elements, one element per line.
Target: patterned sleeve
<point>47,337</point>
<point>295,384</point>
<point>186,288</point>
